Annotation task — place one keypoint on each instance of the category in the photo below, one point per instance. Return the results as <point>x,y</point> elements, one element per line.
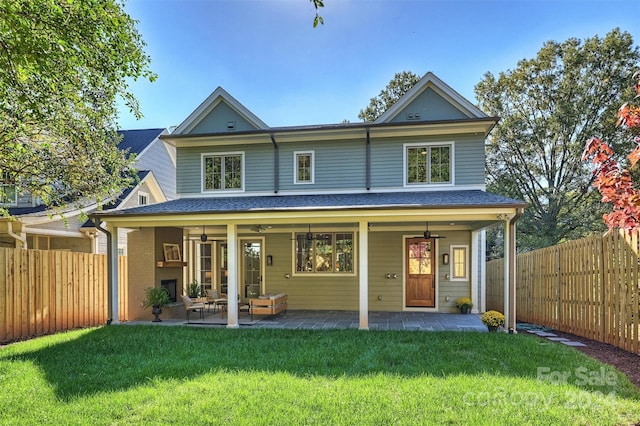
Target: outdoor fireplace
<point>170,286</point>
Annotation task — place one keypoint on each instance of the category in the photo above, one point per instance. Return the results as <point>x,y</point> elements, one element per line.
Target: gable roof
<point>430,80</point>
<point>137,141</point>
<point>209,104</point>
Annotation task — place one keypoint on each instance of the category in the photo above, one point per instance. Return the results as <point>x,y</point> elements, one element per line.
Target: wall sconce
<point>269,260</point>
<point>445,259</point>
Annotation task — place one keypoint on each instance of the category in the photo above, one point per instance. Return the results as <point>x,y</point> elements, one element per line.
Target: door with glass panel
<point>251,278</point>
<point>420,280</point>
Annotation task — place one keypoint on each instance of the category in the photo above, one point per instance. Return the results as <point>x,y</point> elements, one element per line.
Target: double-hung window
<point>223,172</point>
<point>8,193</point>
<point>304,167</point>
<point>427,164</point>
<point>324,253</point>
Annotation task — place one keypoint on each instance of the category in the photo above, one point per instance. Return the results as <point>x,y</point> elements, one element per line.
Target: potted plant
<point>464,304</point>
<point>193,289</point>
<point>157,297</point>
<point>493,320</point>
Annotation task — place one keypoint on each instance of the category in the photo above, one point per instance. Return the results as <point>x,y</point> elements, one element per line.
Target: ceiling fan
<point>259,228</point>
<point>310,236</point>
<point>428,235</point>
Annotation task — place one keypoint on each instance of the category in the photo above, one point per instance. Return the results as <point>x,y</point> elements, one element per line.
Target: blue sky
<point>268,56</point>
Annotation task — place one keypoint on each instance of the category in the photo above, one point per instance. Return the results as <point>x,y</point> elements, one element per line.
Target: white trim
<point>453,247</point>
<point>363,272</point>
<point>312,163</point>
<point>434,186</point>
<point>222,154</point>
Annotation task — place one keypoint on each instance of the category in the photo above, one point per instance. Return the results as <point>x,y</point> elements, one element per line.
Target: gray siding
<point>216,121</point>
<point>158,159</point>
<point>338,165</point>
<point>431,106</point>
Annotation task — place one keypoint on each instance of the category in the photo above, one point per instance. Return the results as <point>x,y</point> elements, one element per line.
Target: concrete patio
<point>318,320</point>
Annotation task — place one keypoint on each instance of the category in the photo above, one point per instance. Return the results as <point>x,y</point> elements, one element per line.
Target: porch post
<point>476,269</point>
<point>113,313</point>
<point>232,281</point>
<point>507,276</point>
<point>483,275</point>
<point>363,273</point>
<point>511,324</point>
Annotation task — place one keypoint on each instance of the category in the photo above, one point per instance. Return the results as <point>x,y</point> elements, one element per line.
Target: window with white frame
<point>324,253</point>
<point>304,163</point>
<point>8,193</point>
<point>428,164</point>
<point>223,172</point>
<point>459,263</point>
<point>143,198</point>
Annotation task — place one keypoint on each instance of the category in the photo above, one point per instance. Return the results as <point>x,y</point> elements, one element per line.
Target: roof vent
<point>231,124</point>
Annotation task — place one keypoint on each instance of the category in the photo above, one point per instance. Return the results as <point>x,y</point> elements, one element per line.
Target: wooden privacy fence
<point>43,292</point>
<point>589,287</point>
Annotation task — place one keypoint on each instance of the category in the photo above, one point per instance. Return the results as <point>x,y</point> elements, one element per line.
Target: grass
<point>185,375</point>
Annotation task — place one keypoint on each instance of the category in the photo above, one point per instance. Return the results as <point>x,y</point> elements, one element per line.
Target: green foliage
<point>156,296</point>
<point>193,289</point>
<point>401,83</point>
<point>139,375</point>
<point>63,65</point>
<point>549,106</point>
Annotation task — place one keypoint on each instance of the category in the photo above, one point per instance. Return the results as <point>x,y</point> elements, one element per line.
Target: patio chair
<point>214,298</point>
<point>190,305</point>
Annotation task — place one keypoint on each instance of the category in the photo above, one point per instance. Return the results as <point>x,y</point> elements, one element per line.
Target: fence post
<point>603,291</point>
<point>558,289</point>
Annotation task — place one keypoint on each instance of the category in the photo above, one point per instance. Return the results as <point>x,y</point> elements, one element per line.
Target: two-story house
<point>34,226</point>
<point>380,216</point>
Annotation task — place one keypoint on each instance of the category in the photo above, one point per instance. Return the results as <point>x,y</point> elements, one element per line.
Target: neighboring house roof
<point>247,204</point>
<point>137,141</point>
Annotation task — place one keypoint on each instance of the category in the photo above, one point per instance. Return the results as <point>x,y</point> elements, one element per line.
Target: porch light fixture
<point>203,236</point>
<point>445,259</point>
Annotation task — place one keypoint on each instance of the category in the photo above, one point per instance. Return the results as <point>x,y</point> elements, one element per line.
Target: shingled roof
<point>387,200</point>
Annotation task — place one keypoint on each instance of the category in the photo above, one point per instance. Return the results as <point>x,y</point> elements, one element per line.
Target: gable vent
<point>231,124</point>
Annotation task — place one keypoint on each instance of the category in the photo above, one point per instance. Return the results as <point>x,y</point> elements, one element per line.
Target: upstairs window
<point>143,198</point>
<point>428,164</point>
<point>223,172</point>
<point>304,167</point>
<point>8,193</point>
<point>324,254</point>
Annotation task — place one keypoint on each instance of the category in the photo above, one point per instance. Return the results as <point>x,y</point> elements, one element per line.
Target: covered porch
<point>371,272</point>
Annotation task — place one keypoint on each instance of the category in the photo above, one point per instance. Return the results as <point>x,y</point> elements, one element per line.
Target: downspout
<point>92,237</point>
<point>512,271</point>
<point>276,165</point>
<point>21,238</point>
<point>368,161</point>
<point>110,276</point>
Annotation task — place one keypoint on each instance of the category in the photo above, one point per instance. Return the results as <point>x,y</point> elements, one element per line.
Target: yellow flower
<point>493,319</point>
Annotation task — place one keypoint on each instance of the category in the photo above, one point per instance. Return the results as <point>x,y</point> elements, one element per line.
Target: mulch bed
<point>627,362</point>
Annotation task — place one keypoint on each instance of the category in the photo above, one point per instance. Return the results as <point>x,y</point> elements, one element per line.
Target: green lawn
<point>186,375</point>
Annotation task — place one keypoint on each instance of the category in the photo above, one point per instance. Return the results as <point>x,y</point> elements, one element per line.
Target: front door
<point>420,279</point>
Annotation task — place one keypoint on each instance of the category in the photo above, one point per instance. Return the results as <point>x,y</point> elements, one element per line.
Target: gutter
<point>110,277</point>
<point>276,165</point>
<point>21,238</point>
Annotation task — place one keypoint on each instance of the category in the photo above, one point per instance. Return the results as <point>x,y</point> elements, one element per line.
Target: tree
<point>549,106</point>
<point>318,19</point>
<point>616,183</point>
<point>63,65</point>
<point>397,87</point>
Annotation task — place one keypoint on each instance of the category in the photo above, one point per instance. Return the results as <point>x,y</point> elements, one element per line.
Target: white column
<point>507,262</point>
<point>477,268</point>
<point>363,273</point>
<point>483,275</point>
<point>511,324</point>
<point>114,311</point>
<point>232,281</point>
